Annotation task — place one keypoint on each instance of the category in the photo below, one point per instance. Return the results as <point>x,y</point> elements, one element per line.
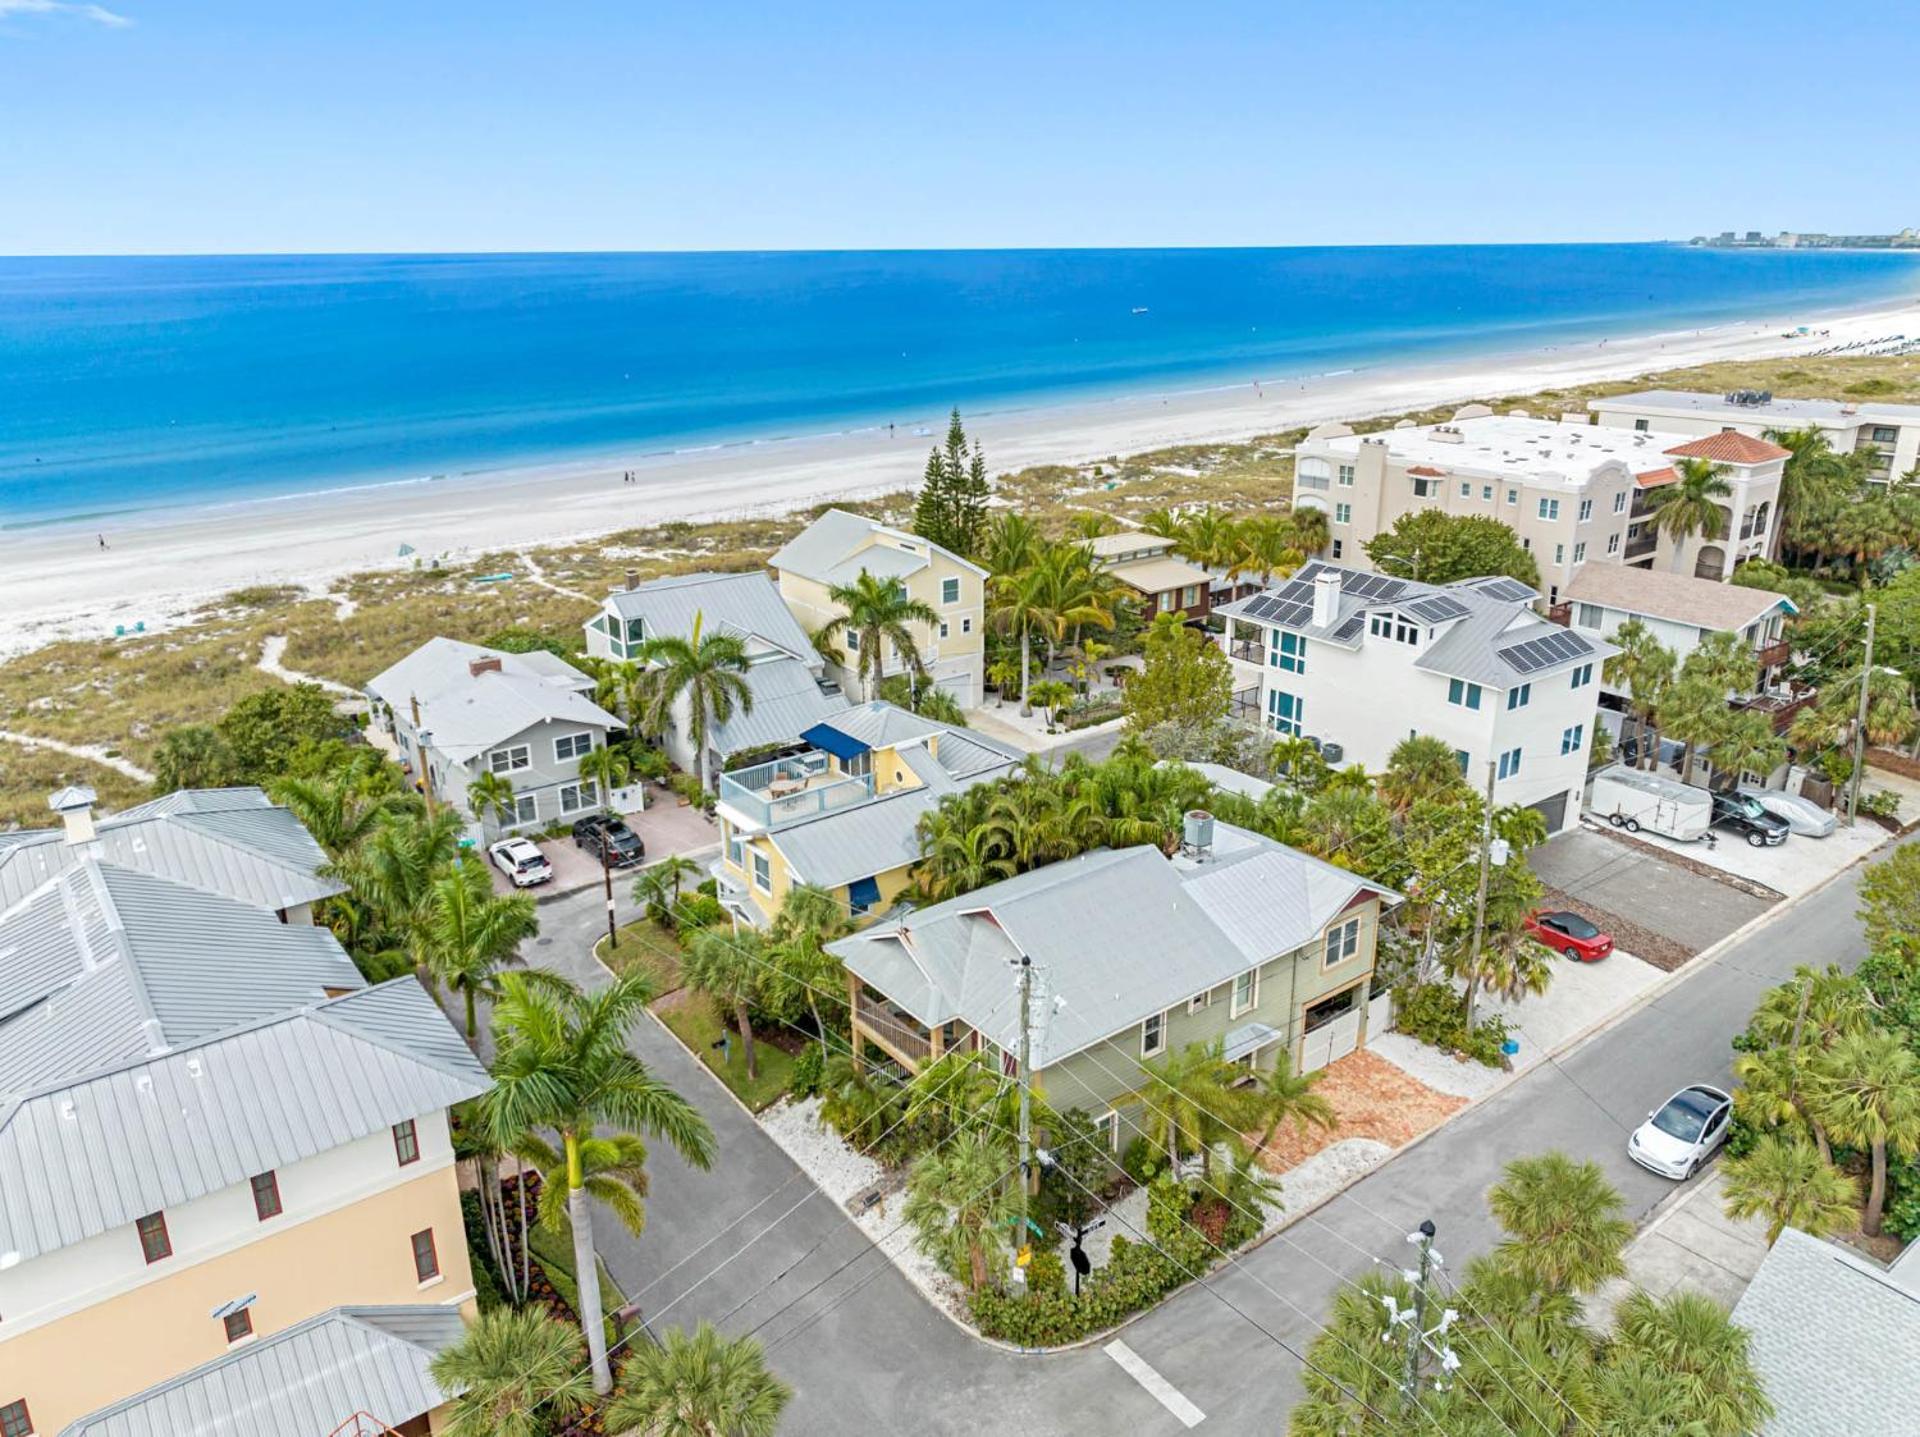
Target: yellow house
<point>843,815</point>
<point>838,547</point>
<point>224,1159</point>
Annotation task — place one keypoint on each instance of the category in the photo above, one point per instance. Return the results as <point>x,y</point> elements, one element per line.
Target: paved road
<point>863,1351</point>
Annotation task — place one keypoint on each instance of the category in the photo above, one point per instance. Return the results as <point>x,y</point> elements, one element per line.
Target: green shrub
<point>700,910</point>
<point>1047,1274</point>
<point>1141,1160</point>
<point>1903,1197</point>
<point>1881,803</point>
<point>808,1070</point>
<point>1137,1275</point>
<point>1431,1012</point>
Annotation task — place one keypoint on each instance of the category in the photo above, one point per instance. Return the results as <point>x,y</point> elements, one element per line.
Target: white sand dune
<point>57,582</point>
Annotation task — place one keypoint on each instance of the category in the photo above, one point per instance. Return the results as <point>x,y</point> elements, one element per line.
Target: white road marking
<point>1164,1392</point>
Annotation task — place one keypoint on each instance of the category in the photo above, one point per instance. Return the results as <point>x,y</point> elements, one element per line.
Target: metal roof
<point>1267,898</point>
<point>857,842</point>
<point>468,713</point>
<point>232,841</point>
<point>787,701</point>
<point>747,605</point>
<point>834,548</point>
<point>90,1155</point>
<point>1157,576</point>
<point>303,1381</point>
<point>1836,1343</point>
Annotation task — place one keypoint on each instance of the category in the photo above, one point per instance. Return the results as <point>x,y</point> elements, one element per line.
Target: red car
<point>1570,934</point>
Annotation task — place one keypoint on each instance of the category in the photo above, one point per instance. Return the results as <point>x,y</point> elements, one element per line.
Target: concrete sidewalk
<point>1690,1246</point>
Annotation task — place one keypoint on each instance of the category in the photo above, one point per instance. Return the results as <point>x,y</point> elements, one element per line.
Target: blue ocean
<point>135,383</point>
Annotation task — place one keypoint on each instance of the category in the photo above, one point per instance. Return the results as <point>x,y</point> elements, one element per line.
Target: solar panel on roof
<point>1535,654</point>
<point>1437,608</point>
<point>1293,615</point>
<point>1501,587</point>
<point>1350,627</point>
<point>1260,606</point>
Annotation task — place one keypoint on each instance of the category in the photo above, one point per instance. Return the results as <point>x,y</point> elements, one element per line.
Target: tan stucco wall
<point>359,1254</point>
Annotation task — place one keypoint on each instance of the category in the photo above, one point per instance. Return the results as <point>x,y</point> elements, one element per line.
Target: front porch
<point>899,1034</point>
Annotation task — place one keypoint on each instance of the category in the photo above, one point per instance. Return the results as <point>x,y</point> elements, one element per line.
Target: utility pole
<point>1416,1334</point>
<point>1480,897</point>
<point>606,874</point>
<point>1860,725</point>
<point>1026,1095</point>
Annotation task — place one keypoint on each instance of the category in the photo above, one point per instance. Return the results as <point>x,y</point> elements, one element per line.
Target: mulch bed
<point>1374,1099</point>
<point>1642,942</point>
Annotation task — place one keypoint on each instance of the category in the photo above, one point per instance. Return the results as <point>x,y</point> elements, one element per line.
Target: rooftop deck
<point>771,795</point>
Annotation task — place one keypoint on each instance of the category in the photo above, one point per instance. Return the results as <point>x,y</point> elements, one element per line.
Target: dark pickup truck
<point>607,837</point>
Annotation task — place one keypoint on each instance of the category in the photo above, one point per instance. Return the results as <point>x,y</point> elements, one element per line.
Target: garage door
<point>959,687</point>
<point>1554,810</point>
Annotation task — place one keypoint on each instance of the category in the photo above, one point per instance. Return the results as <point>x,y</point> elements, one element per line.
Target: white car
<point>1802,815</point>
<point>521,861</point>
<point>1682,1133</point>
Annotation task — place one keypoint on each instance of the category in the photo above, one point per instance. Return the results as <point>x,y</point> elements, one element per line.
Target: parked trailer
<point>1627,798</point>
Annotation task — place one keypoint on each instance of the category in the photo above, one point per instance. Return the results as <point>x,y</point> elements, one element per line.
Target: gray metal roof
<point>468,713</point>
<point>233,841</point>
<point>303,1381</point>
<point>746,605</point>
<point>787,701</point>
<point>1118,934</point>
<point>1836,1343</point>
<point>93,1154</point>
<point>879,724</point>
<point>834,548</point>
<point>1779,413</point>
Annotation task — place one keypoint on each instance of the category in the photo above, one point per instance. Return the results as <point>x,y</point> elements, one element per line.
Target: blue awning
<point>863,894</point>
<point>829,739</point>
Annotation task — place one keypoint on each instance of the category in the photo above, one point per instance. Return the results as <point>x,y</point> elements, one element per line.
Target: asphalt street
<point>753,1246</point>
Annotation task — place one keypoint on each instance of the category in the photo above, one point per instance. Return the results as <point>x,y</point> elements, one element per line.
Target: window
<point>1343,513</point>
<point>238,1324</point>
<point>154,1243</point>
<point>1580,552</point>
<point>943,628</point>
<point>966,626</point>
<point>1587,616</point>
<point>526,808</point>
<point>1520,697</point>
<point>1460,757</point>
<point>1285,713</point>
<point>1640,426</point>
<point>1559,553</point>
<point>1346,476</point>
<point>1613,543</point>
<point>1527,544</point>
<point>510,760</point>
<point>1462,694</point>
<point>1246,992</point>
<point>1582,676</point>
<point>949,591</point>
<point>406,1142</point>
<point>1510,763</point>
<point>426,1262</point>
<point>1466,489</point>
<point>1586,510</point>
<point>1343,941</point>
<point>1513,497</point>
<point>15,1422</point>
<point>1573,740</point>
<point>1108,1124</point>
<point>1620,502</point>
<point>1291,654</point>
<point>1486,492</point>
<point>853,641</point>
<point>571,746</point>
<point>736,850</point>
<point>1190,596</point>
<point>266,1195</point>
<point>1426,488</point>
<point>1885,433</point>
<point>762,872</point>
<point>1549,508</point>
<point>1153,1035</point>
<point>1338,545</point>
<point>1199,1001</point>
<point>576,796</point>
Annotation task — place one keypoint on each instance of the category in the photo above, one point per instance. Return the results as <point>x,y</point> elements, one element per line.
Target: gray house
<point>1237,940</point>
<point>456,711</point>
<point>786,677</point>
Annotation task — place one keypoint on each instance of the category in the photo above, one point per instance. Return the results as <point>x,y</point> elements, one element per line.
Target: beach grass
<point>126,693</point>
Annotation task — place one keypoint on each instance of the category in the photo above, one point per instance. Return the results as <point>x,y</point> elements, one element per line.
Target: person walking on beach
<point>103,540</point>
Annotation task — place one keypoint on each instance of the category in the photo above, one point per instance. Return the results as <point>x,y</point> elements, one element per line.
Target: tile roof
<point>1654,478</point>
<point>302,1381</point>
<point>746,605</point>
<point>1679,598</point>
<point>468,713</point>
<point>1836,1343</point>
<point>1730,447</point>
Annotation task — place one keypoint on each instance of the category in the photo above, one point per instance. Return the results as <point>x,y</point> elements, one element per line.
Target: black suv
<point>607,837</point>
<point>1737,812</point>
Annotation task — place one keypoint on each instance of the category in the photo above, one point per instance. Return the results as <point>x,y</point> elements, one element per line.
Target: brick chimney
<point>633,580</point>
<point>75,807</point>
<point>488,665</point>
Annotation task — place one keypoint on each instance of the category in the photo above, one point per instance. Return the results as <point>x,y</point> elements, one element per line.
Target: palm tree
<point>394,869</point>
<point>563,1065</point>
<point>335,811</point>
<point>700,1386</point>
<point>492,793</point>
<point>1746,743</point>
<point>1192,1103</point>
<point>1003,674</point>
<point>1644,667</point>
<point>607,767</point>
<point>473,1143</point>
<point>1563,1222</point>
<point>466,933</point>
<point>1017,605</point>
<point>875,612</point>
<point>1812,475</point>
<point>1511,965</point>
<point>709,670</point>
<point>808,920</point>
<point>1013,543</point>
<point>1090,526</point>
<point>1692,1341</point>
<point>613,1171</point>
<point>1053,696</point>
<point>1690,505</point>
<point>1288,1097</point>
<point>515,1370</point>
<point>727,967</point>
<point>1268,545</point>
<point>957,856</point>
<point>657,889</point>
<point>1421,767</point>
<point>1311,528</point>
<point>1790,1184</point>
<point>958,1198</point>
<point>1726,661</point>
<point>1210,538</point>
<point>1161,523</point>
<point>1695,712</point>
<point>1866,1092</point>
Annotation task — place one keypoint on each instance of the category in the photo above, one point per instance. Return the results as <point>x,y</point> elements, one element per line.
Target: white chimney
<point>1326,597</point>
<point>75,807</point>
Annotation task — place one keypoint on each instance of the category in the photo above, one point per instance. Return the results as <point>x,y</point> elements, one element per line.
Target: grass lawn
<point>647,948</point>
<point>692,1021</point>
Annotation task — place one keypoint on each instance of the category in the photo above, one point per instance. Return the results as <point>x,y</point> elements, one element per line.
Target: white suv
<point>525,864</point>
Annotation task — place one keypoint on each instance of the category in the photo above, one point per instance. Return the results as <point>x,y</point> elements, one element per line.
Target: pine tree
<point>952,508</point>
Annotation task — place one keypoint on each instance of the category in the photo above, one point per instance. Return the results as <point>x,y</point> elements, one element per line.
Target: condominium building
<point>1891,432</point>
<point>1360,661</point>
<point>216,1140</point>
<point>1573,492</point>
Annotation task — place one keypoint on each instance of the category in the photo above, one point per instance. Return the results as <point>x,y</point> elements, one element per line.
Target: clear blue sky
<point>211,125</point>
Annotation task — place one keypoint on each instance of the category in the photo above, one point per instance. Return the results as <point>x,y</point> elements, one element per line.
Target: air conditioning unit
<point>1333,753</point>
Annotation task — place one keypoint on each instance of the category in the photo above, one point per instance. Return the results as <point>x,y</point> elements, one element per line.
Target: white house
<point>1891,431</point>
<point>1360,661</point>
<point>1680,610</point>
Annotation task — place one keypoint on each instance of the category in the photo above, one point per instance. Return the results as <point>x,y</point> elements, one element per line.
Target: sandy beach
<point>58,582</point>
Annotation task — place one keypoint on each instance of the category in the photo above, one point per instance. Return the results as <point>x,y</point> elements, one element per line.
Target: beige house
<point>1891,432</point>
<point>838,547</point>
<point>213,1134</point>
<point>1573,492</point>
<point>1162,582</point>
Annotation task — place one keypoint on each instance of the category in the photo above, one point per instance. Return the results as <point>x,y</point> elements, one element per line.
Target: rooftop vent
<point>1196,833</point>
<point>74,804</point>
<point>1447,434</point>
<point>1750,398</point>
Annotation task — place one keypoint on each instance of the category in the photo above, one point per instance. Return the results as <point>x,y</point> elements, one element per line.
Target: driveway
<point>1608,880</point>
<point>665,826</point>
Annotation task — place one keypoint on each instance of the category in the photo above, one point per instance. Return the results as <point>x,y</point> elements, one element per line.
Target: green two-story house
<point>1235,939</point>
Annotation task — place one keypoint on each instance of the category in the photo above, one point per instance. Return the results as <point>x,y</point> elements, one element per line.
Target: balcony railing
<point>790,789</point>
<point>1773,654</point>
<point>1640,547</point>
<point>894,1029</point>
<point>1312,481</point>
<point>1780,706</point>
<point>1250,651</point>
<point>1246,703</point>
